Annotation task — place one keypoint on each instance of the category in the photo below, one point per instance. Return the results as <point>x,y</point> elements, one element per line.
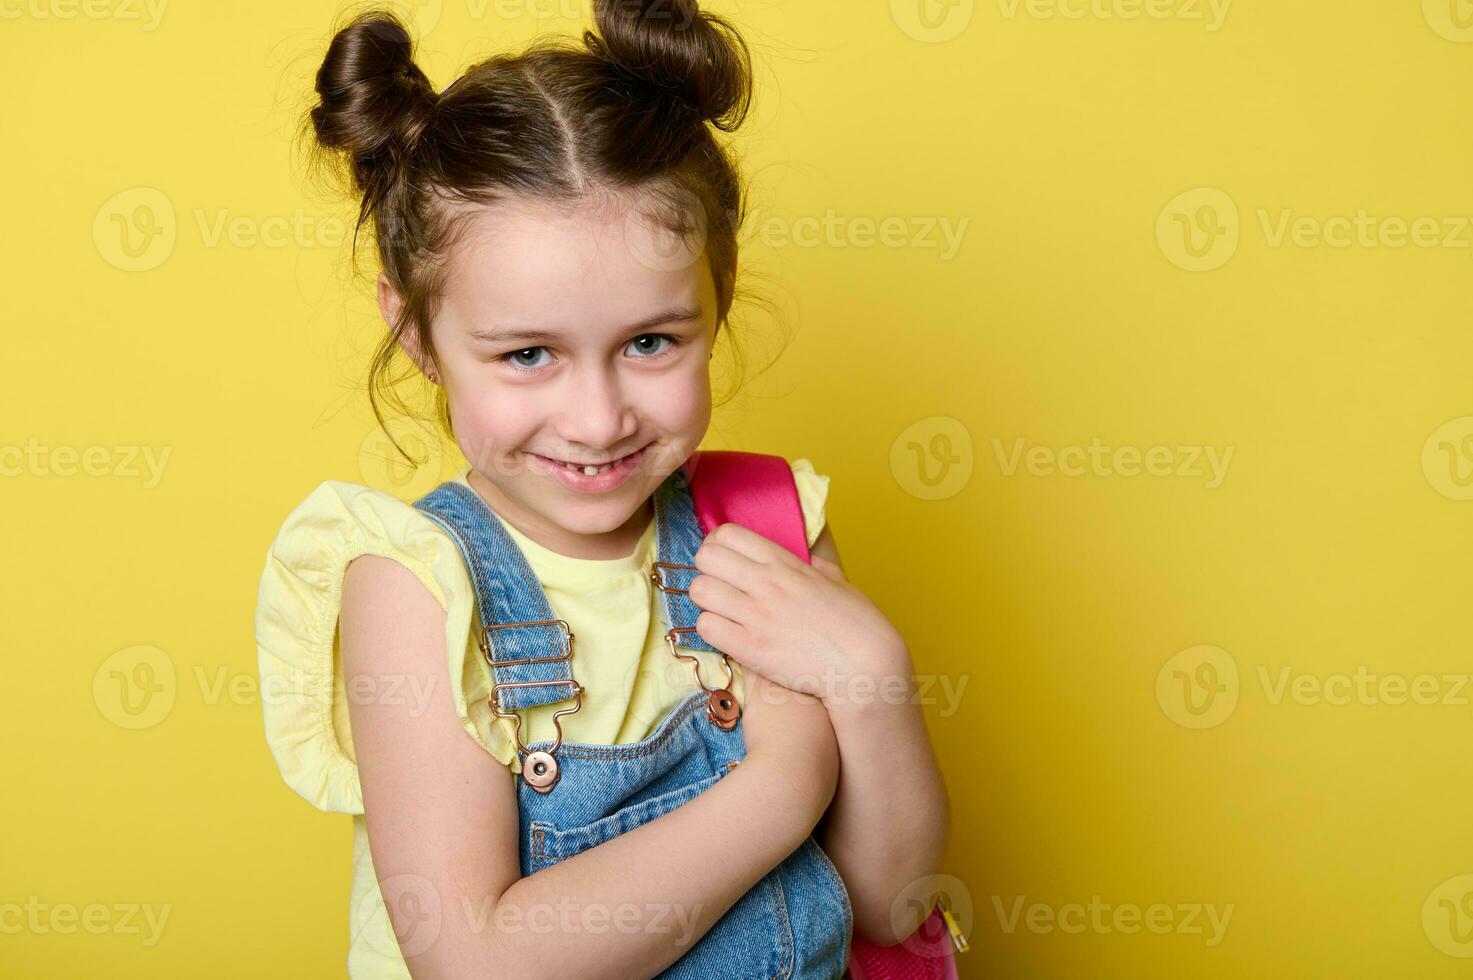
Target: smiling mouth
<point>590,469</point>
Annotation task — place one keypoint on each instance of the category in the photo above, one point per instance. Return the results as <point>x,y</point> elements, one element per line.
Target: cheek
<point>489,424</point>
<point>677,401</point>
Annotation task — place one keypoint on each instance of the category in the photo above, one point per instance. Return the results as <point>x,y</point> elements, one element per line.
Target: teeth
<point>590,470</point>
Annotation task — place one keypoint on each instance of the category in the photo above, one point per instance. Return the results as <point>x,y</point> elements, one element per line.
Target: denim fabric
<point>796,921</point>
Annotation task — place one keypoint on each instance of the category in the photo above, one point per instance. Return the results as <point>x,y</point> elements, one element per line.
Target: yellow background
<point>1077,149</point>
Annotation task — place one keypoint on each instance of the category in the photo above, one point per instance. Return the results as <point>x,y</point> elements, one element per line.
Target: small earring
<point>434,378</point>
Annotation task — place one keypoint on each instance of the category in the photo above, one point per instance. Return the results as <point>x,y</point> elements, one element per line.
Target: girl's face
<point>580,337</point>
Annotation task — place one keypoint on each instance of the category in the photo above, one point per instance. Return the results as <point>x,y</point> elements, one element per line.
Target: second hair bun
<point>680,52</point>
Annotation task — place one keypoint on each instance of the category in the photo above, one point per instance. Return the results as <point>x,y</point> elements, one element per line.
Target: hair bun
<point>374,100</point>
<point>680,52</point>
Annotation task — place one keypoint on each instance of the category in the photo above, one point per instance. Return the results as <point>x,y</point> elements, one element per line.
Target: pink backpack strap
<point>755,490</point>
<point>758,492</point>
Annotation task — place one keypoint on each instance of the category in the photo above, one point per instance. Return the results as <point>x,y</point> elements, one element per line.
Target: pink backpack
<point>757,491</point>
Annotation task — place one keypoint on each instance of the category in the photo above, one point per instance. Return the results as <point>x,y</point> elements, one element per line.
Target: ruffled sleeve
<point>303,695</point>
<point>813,493</point>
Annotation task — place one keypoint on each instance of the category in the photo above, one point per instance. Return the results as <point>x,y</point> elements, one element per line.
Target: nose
<point>598,418</point>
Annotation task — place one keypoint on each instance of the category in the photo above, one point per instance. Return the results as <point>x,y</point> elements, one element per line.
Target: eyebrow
<point>524,335</point>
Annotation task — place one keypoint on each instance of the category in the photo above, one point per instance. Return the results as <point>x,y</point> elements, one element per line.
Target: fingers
<point>720,596</point>
<point>745,541</point>
<point>724,634</point>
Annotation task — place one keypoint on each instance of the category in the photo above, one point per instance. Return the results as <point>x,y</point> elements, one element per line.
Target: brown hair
<point>625,113</point>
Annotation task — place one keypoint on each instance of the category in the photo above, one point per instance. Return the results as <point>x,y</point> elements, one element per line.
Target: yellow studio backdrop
<point>1134,335</point>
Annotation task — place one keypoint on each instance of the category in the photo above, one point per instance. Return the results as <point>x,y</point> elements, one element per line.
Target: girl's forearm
<point>890,820</point>
<point>645,897</point>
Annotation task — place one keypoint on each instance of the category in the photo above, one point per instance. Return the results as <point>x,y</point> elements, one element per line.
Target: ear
<point>389,304</point>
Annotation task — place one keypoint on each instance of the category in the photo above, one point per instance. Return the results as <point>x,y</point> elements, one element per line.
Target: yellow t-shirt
<point>619,655</point>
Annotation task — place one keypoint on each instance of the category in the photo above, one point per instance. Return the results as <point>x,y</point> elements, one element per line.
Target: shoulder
<point>340,521</point>
<point>298,603</point>
<point>813,493</point>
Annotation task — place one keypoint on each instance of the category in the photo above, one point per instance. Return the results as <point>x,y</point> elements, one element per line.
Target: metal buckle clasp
<point>539,769</point>
<point>722,706</point>
<point>659,584</point>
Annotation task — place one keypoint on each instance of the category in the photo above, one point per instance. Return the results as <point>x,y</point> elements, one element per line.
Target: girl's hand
<point>790,734</point>
<point>804,626</point>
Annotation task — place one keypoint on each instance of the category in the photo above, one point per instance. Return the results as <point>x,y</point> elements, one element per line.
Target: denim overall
<point>796,921</point>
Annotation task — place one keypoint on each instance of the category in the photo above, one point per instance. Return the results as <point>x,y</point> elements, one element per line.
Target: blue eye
<point>509,358</point>
<point>513,359</point>
<point>657,336</point>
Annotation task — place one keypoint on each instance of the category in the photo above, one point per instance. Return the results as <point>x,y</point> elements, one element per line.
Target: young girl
<point>581,808</point>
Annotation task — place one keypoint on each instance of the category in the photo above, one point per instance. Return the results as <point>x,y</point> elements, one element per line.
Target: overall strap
<point>518,623</point>
<point>519,635</point>
<point>679,536</point>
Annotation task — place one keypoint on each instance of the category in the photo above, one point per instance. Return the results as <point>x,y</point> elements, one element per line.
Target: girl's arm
<point>890,819</point>
<point>814,633</point>
<point>441,816</point>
